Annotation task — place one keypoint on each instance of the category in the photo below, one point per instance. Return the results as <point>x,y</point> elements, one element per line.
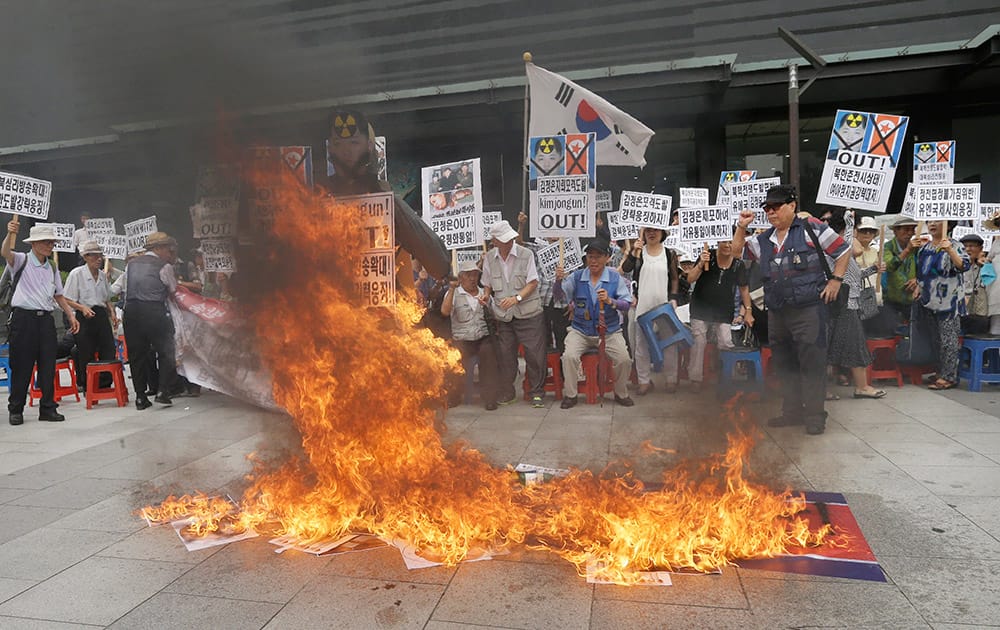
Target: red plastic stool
<point>916,372</point>
<point>553,376</point>
<point>589,361</point>
<point>765,359</point>
<point>883,364</point>
<point>60,390</point>
<point>117,391</point>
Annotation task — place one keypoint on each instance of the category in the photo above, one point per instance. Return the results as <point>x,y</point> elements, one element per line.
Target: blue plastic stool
<point>5,366</point>
<point>746,355</point>
<point>979,361</point>
<point>662,329</point>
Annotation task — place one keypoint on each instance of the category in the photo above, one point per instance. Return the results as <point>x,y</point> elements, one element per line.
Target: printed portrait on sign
<point>546,156</point>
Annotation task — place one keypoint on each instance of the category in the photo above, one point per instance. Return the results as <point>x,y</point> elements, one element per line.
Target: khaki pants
<point>699,330</point>
<point>577,343</point>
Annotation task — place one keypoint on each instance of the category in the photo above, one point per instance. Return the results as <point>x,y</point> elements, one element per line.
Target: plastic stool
<point>553,376</point>
<point>122,349</point>
<point>590,383</point>
<point>979,359</point>
<point>730,358</point>
<point>117,391</point>
<point>5,365</point>
<point>883,365</point>
<point>662,328</point>
<point>59,389</point>
<point>916,372</point>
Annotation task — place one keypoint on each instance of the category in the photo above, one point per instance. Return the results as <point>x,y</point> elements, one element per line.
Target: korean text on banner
<point>694,198</point>
<point>137,231</point>
<point>218,255</point>
<point>749,196</point>
<point>489,218</point>
<point>934,163</point>
<point>562,183</point>
<point>710,224</point>
<point>64,237</point>
<point>621,231</point>
<point>559,106</point>
<point>861,160</point>
<point>375,276</point>
<point>548,258</point>
<point>453,202</point>
<point>727,179</point>
<point>100,226</point>
<point>645,209</point>
<point>604,202</point>
<point>215,217</point>
<point>956,202</point>
<point>25,196</point>
<point>114,246</point>
<point>987,213</point>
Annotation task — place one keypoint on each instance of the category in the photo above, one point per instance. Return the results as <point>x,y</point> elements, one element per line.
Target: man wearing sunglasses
<point>796,292</point>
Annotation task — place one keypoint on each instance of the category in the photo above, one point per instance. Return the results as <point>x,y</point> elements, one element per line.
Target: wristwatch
<point>518,297</point>
<point>837,278</point>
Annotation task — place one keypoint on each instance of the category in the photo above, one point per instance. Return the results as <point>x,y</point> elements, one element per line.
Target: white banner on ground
<point>645,209</point>
<point>604,202</point>
<point>621,231</point>
<point>26,196</point>
<point>710,224</point>
<point>955,202</point>
<point>64,237</point>
<point>727,179</point>
<point>489,218</point>
<point>749,196</point>
<point>100,226</point>
<point>115,246</point>
<point>861,160</point>
<point>137,231</point>
<point>694,198</point>
<point>988,211</point>
<point>934,163</point>
<point>453,202</point>
<point>215,217</point>
<point>219,255</point>
<point>562,183</point>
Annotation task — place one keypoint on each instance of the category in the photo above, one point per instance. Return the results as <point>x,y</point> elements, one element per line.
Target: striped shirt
<point>831,242</point>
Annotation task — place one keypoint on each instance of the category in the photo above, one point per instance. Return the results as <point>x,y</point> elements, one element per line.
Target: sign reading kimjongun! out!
<point>861,160</point>
<point>562,183</point>
<point>215,217</point>
<point>934,163</point>
<point>645,209</point>
<point>25,196</point>
<point>375,278</point>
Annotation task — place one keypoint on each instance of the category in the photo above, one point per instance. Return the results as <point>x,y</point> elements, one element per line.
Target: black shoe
<point>150,393</point>
<point>17,418</point>
<point>491,406</point>
<point>194,391</point>
<point>567,402</point>
<point>141,402</point>
<point>624,402</point>
<point>162,399</point>
<point>54,416</point>
<point>782,421</point>
<point>815,428</point>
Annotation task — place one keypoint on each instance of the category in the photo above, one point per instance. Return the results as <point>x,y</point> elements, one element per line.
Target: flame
<point>363,387</point>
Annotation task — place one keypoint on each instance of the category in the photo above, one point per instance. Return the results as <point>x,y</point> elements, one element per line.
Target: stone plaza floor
<point>921,471</point>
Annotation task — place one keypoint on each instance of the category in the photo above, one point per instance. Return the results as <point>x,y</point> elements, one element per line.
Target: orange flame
<point>361,388</point>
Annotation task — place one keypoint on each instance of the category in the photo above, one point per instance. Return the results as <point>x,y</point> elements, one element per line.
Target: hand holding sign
<point>13,226</point>
<point>560,273</point>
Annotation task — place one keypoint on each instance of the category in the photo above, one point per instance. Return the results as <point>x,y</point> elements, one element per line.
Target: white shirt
<point>37,285</point>
<point>81,235</point>
<point>508,265</point>
<point>83,288</point>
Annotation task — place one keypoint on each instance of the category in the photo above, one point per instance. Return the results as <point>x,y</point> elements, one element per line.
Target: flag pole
<point>524,153</point>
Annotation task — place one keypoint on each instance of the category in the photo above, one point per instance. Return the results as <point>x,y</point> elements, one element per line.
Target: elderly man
<point>465,303</point>
<point>148,327</point>
<point>900,258</point>
<point>37,288</point>
<point>88,286</point>
<point>796,291</point>
<point>510,278</point>
<point>597,293</point>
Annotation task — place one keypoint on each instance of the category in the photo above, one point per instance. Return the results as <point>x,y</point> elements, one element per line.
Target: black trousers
<point>32,340</point>
<point>149,329</point>
<point>95,336</point>
<point>489,369</point>
<point>798,344</point>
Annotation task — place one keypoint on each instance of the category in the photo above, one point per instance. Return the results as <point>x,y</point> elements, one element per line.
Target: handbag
<point>868,303</point>
<point>839,305</point>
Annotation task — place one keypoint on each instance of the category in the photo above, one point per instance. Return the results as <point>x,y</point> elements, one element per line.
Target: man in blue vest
<point>599,296</point>
<point>796,292</point>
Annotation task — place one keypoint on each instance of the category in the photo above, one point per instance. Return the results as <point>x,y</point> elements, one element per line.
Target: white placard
<point>468,256</point>
<point>115,246</point>
<point>26,196</point>
<point>548,258</point>
<point>727,179</point>
<point>934,163</point>
<point>215,217</point>
<point>375,276</point>
<point>604,202</point>
<point>137,231</point>
<point>218,255</point>
<point>694,198</point>
<point>710,224</point>
<point>621,231</point>
<point>956,202</point>
<point>490,218</point>
<point>453,202</point>
<point>750,195</point>
<point>64,237</point>
<point>562,185</point>
<point>100,226</point>
<point>988,211</point>
<point>645,209</point>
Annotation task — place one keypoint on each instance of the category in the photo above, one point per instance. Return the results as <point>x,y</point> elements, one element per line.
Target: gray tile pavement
<point>921,471</point>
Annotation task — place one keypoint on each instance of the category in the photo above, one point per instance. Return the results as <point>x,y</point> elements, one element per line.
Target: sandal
<point>878,393</point>
<point>842,381</point>
<point>942,384</point>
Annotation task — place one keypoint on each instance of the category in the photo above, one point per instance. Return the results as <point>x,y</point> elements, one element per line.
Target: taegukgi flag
<point>559,106</point>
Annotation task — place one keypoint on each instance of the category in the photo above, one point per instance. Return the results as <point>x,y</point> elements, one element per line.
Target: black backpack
<point>8,285</point>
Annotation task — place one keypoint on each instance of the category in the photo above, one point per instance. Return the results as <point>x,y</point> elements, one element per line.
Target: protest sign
<point>749,196</point>
<point>218,254</point>
<point>645,209</point>
<point>137,231</point>
<point>562,183</point>
<point>961,232</point>
<point>217,180</point>
<point>64,237</point>
<point>214,217</point>
<point>987,213</point>
<point>694,198</point>
<point>727,179</point>
<point>263,168</point>
<point>114,246</point>
<point>375,276</point>
<point>100,226</point>
<point>955,202</point>
<point>453,202</point>
<point>934,163</point>
<point>909,199</point>
<point>468,256</point>
<point>710,224</point>
<point>26,196</point>
<point>489,218</point>
<point>861,160</point>
<point>548,258</point>
<point>604,203</point>
<point>621,231</point>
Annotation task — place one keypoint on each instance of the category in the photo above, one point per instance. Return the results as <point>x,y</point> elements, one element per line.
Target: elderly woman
<point>940,298</point>
<point>465,303</point>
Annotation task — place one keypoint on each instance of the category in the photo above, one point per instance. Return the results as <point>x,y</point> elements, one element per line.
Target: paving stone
<point>168,611</point>
<point>42,553</point>
<point>949,590</point>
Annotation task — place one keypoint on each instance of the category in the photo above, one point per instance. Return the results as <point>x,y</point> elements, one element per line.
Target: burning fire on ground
<point>362,388</point>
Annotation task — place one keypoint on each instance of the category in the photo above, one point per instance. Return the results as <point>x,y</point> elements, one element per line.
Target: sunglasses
<point>772,207</point>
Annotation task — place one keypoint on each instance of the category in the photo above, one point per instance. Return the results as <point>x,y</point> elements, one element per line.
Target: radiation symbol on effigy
<point>547,145</point>
<point>345,125</point>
